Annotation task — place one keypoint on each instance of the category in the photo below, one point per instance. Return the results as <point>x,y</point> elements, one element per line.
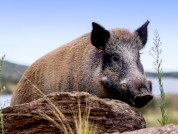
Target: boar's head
<point>121,71</point>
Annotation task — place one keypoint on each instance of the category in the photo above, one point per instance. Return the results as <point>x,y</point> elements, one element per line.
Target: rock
<point>168,129</point>
<point>39,117</point>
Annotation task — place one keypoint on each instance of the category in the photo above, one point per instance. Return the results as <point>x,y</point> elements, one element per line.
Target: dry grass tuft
<point>82,123</point>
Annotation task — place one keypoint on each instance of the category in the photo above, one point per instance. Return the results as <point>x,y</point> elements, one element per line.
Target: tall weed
<point>1,91</point>
<point>156,54</point>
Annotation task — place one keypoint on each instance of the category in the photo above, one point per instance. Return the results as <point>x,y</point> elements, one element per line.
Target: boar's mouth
<point>137,101</point>
<point>118,94</point>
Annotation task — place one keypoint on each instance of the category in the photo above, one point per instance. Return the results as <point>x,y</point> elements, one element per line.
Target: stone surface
<point>168,129</point>
<point>107,115</point>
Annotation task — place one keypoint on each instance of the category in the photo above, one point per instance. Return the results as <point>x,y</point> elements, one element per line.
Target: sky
<point>30,29</point>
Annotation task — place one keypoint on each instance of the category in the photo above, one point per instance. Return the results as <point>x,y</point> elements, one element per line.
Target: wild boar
<point>105,63</point>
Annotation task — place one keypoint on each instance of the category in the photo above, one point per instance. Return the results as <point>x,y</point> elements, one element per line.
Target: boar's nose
<point>142,99</point>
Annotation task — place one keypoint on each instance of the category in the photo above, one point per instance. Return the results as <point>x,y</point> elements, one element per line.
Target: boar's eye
<point>115,58</point>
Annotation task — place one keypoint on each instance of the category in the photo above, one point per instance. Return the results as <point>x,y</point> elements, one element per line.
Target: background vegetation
<point>10,75</point>
<point>151,112</point>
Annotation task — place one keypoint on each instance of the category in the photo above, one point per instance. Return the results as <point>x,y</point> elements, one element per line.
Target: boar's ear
<point>99,36</point>
<point>142,33</point>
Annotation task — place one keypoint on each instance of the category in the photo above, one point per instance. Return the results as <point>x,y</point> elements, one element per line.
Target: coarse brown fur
<point>59,70</point>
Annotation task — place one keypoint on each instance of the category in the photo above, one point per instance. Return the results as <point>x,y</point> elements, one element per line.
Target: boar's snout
<point>142,99</point>
<point>138,92</point>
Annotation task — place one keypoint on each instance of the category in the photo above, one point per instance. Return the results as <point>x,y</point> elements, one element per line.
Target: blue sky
<point>31,28</point>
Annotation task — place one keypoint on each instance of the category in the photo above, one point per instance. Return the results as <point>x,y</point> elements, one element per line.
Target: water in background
<point>170,87</point>
<point>5,100</point>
